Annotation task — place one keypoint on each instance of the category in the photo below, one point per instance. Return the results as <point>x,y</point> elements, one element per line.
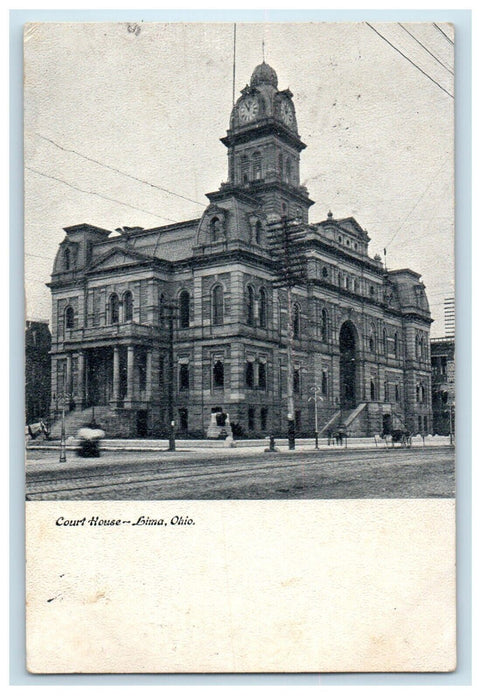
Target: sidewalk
<point>147,445</point>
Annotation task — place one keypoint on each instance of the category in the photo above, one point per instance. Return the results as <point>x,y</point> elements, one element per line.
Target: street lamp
<point>316,391</point>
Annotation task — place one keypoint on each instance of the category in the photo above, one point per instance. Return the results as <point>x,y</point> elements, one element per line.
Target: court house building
<point>189,320</point>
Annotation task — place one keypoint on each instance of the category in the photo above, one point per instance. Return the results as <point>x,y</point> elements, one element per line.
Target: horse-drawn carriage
<point>400,437</point>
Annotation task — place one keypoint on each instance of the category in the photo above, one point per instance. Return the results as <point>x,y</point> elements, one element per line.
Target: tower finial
<point>263,51</point>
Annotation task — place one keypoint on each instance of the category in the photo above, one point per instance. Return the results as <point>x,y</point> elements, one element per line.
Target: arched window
<point>418,393</point>
<point>215,229</point>
<point>384,337</point>
<point>114,309</point>
<point>324,325</point>
<point>288,170</point>
<point>296,321</point>
<point>372,339</point>
<point>217,305</point>
<point>396,344</point>
<point>128,303</point>
<point>250,305</point>
<point>257,166</point>
<point>218,375</point>
<point>69,318</point>
<point>281,166</point>
<point>263,308</point>
<point>184,308</point>
<point>373,390</point>
<point>325,272</point>
<point>66,258</point>
<point>259,232</point>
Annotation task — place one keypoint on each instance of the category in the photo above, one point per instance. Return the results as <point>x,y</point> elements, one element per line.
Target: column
<point>81,378</point>
<point>130,373</point>
<point>148,376</point>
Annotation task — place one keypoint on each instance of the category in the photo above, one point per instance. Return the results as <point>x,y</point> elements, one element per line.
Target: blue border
<point>462,21</point>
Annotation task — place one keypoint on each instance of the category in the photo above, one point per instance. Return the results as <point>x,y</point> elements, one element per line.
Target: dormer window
<point>69,318</point>
<point>215,229</point>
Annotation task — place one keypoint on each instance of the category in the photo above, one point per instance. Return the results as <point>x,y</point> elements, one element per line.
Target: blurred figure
<point>89,439</point>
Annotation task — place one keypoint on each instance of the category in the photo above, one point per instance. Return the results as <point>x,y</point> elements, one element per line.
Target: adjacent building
<point>443,385</point>
<point>360,332</point>
<point>37,371</point>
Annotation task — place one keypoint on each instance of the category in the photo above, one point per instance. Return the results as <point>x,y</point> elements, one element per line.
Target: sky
<point>123,121</point>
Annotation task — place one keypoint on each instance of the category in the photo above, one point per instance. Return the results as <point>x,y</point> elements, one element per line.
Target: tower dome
<point>263,74</point>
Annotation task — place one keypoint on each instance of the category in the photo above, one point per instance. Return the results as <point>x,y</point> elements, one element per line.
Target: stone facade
<point>37,371</point>
<point>443,385</point>
<point>361,333</point>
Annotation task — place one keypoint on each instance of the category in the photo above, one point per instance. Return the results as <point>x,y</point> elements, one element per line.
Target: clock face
<point>248,110</point>
<point>287,114</point>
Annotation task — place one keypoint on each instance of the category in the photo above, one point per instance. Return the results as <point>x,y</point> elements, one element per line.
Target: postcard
<point>240,403</point>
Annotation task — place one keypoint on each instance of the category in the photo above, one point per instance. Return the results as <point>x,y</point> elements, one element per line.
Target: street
<point>246,473</point>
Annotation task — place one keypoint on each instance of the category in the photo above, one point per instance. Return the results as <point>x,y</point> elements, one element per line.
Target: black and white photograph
<point>239,281</point>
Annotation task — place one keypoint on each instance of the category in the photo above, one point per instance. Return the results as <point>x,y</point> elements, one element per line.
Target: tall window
<point>281,166</point>
<point>296,321</point>
<point>373,390</point>
<point>259,232</point>
<point>264,413</point>
<point>69,318</point>
<point>257,165</point>
<point>217,305</point>
<point>67,259</point>
<point>396,344</point>
<point>183,419</point>
<point>250,374</point>
<point>262,375</point>
<point>384,344</point>
<point>324,382</point>
<point>244,170</point>
<point>218,375</point>
<point>215,229</point>
<point>128,306</point>
<point>184,375</point>
<point>114,308</point>
<point>288,170</point>
<point>250,305</point>
<point>372,342</point>
<point>184,304</point>
<point>251,417</point>
<point>324,325</point>
<point>263,308</point>
<point>297,381</point>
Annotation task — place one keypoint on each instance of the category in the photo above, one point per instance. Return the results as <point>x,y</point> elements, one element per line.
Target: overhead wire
<point>426,48</point>
<point>120,172</point>
<point>410,61</point>
<point>97,194</point>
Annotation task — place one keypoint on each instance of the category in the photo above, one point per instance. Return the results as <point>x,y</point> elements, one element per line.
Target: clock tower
<point>264,147</point>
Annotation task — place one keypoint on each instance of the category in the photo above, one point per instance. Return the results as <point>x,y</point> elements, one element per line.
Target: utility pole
<point>284,236</point>
<point>316,396</point>
<point>170,396</point>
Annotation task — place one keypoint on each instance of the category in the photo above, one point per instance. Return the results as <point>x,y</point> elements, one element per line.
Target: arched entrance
<point>347,365</point>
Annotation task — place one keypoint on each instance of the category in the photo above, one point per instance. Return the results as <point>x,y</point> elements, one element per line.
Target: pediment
<point>118,257</point>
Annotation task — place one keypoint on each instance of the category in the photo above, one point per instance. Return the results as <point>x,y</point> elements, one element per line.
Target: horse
<point>403,437</point>
<point>33,430</point>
